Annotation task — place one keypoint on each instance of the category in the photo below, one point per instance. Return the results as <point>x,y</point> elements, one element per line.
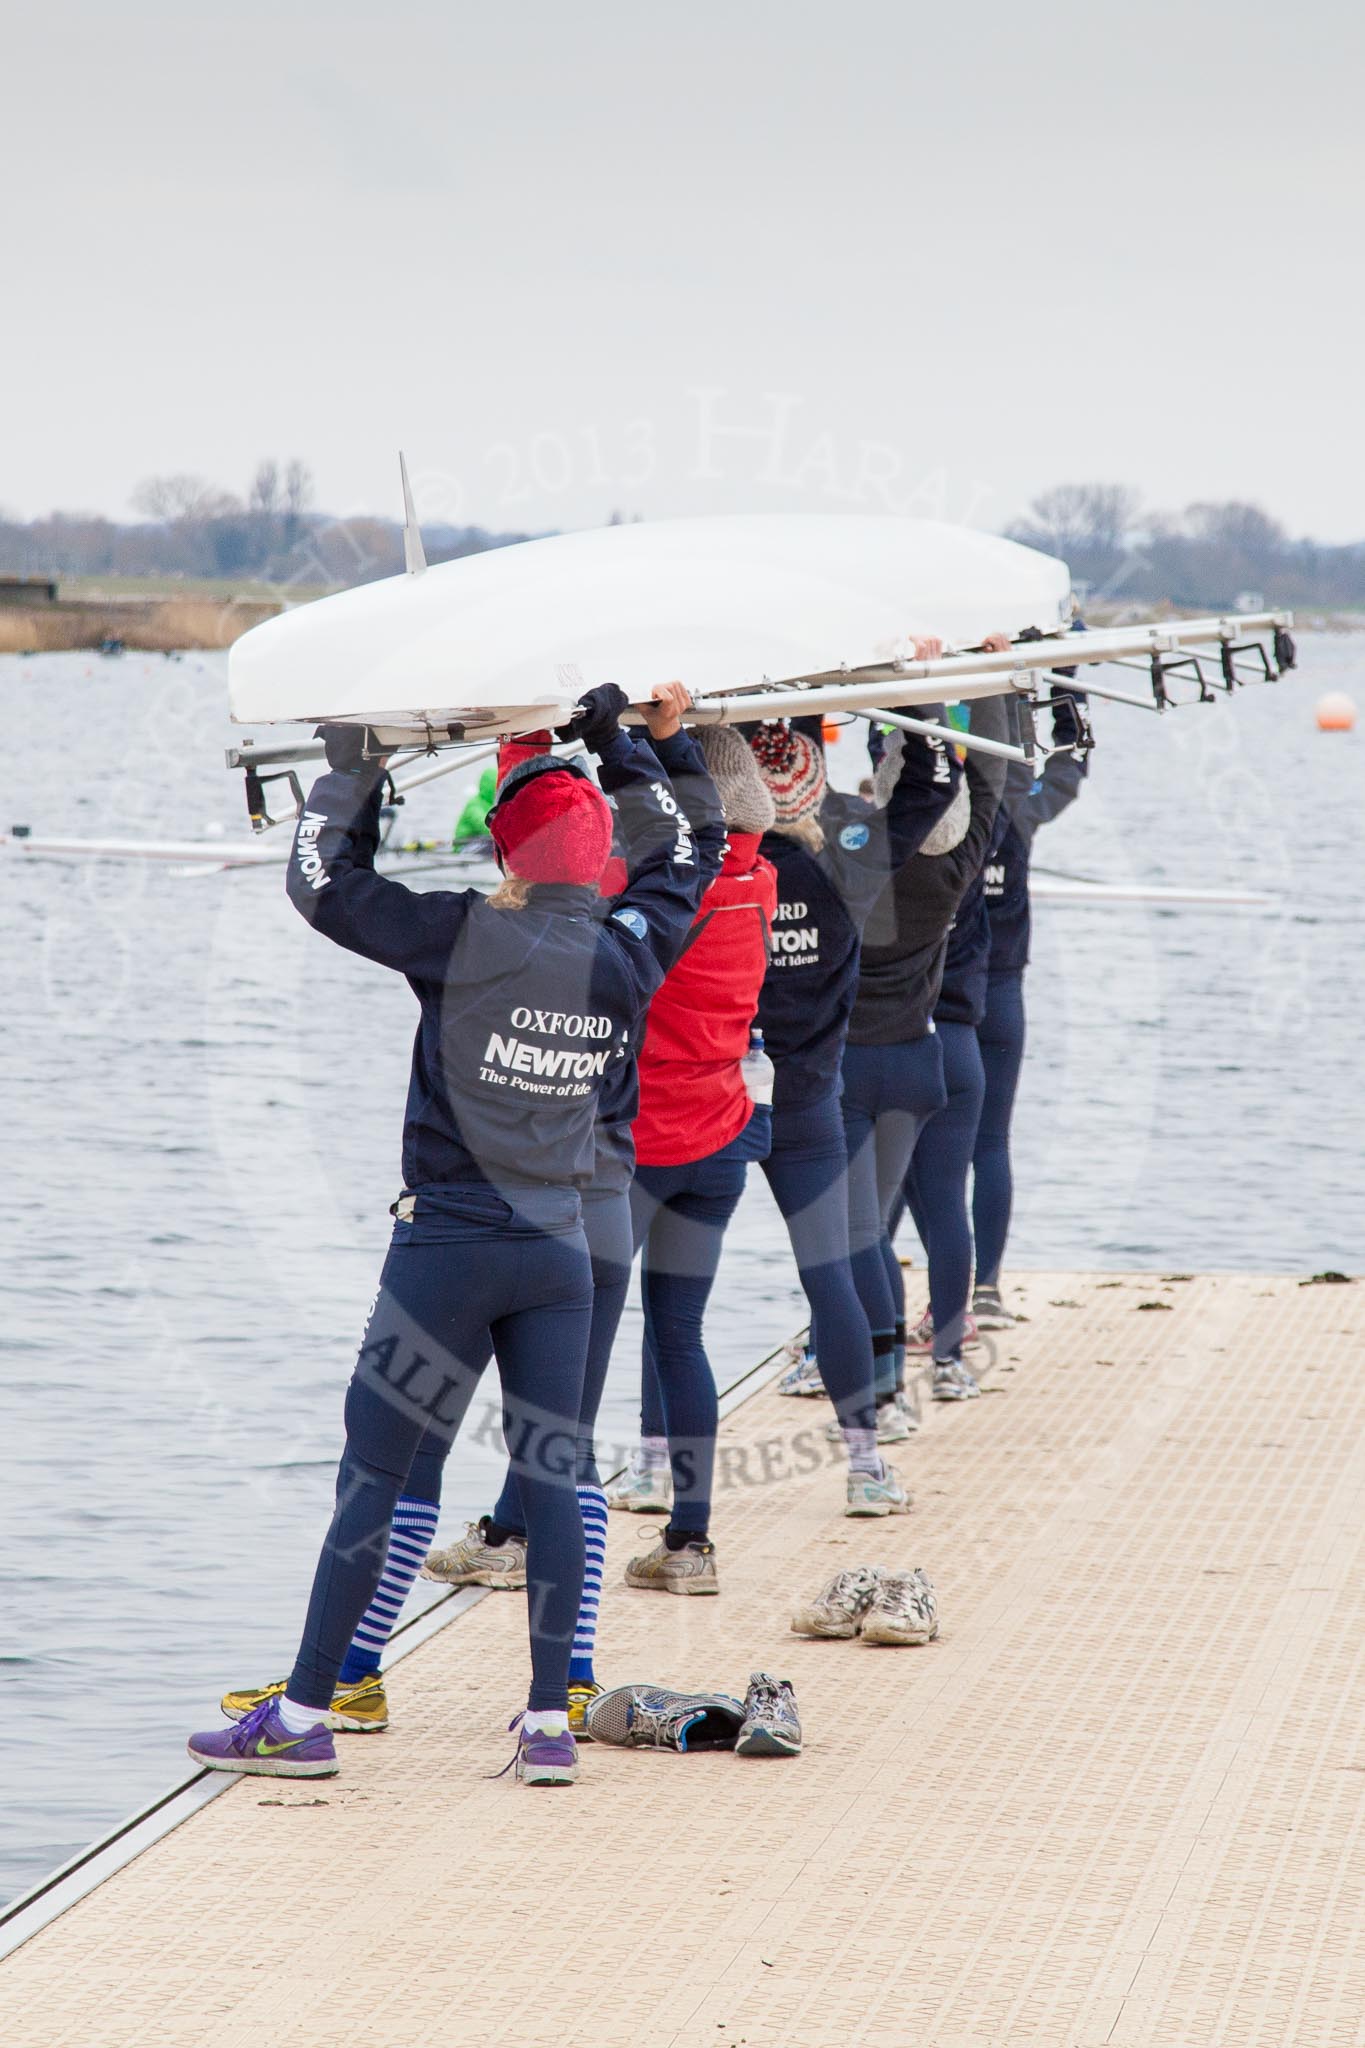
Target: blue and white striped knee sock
<point>410,1538</point>
<point>592,1505</point>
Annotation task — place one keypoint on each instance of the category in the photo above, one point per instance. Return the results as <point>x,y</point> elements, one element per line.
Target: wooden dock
<point>1120,1801</point>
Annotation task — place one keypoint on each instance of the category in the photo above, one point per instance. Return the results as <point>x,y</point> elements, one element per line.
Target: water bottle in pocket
<point>757,1069</point>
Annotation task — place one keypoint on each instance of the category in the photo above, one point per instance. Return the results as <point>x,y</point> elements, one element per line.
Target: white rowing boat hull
<point>1044,890</point>
<point>213,852</point>
<point>203,856</point>
<point>510,639</point>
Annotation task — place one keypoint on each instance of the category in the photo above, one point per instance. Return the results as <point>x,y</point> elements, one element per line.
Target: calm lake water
<point>200,1106</point>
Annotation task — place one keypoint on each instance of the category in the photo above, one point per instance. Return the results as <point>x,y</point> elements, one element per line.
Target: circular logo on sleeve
<point>855,836</point>
<point>633,920</point>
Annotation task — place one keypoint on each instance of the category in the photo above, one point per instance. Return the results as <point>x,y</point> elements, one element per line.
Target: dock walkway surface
<point>1120,1801</point>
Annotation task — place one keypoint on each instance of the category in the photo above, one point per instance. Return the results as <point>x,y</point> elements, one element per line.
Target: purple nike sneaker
<point>547,1759</point>
<point>261,1744</point>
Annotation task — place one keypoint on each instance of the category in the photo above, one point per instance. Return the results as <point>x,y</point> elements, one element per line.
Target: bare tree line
<point>192,527</point>
<point>1208,555</point>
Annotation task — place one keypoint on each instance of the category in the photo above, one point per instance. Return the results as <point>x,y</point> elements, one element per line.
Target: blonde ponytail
<point>807,832</point>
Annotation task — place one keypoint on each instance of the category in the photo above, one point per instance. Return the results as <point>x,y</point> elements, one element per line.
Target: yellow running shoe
<point>580,1698</point>
<point>359,1709</point>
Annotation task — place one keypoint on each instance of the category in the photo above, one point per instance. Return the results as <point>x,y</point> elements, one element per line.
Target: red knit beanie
<point>793,768</point>
<point>553,827</point>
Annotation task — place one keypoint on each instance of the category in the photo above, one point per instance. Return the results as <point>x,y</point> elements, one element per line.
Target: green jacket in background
<point>473,819</point>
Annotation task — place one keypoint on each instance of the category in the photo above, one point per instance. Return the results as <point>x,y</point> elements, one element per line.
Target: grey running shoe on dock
<point>990,1311</point>
<point>654,1717</point>
<point>953,1382</point>
<point>803,1378</point>
<point>474,1561</point>
<point>839,1608</point>
<point>884,1496</point>
<point>896,1419</point>
<point>642,1489</point>
<point>689,1570</point>
<point>904,1609</point>
<point>771,1725</point>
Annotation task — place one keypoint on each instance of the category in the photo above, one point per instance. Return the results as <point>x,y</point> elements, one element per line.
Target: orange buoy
<point>1336,712</point>
<point>831,730</point>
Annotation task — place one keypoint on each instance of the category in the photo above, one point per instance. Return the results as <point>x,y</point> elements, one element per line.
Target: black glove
<point>1067,729</point>
<point>597,720</point>
<point>345,746</point>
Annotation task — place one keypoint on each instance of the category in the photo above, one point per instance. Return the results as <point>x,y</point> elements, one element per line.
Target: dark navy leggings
<point>1000,1034</point>
<point>606,1225</point>
<point>468,1278</point>
<point>807,1170</point>
<point>679,1216</point>
<point>890,1093</point>
<point>936,1186</point>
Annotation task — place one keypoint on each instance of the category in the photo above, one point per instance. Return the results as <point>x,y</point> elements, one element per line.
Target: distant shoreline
<point>152,624</point>
<point>1129,611</point>
<point>155,619</point>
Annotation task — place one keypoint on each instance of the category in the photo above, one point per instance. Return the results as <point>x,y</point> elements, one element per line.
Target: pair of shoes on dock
<point>896,1418</point>
<point>876,1604</point>
<point>474,1561</point>
<point>260,1745</point>
<point>649,1490</point>
<point>764,1723</point>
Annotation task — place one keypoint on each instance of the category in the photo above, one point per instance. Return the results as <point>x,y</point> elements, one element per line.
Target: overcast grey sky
<point>931,257</point>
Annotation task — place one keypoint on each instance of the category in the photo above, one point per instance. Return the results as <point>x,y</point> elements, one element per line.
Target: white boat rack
<point>953,737</point>
<point>1169,651</point>
<point>1169,647</point>
<point>251,759</point>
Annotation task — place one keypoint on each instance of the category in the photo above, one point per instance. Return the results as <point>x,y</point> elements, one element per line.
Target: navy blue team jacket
<point>906,941</point>
<point>1006,874</point>
<point>522,1012</point>
<point>823,902</point>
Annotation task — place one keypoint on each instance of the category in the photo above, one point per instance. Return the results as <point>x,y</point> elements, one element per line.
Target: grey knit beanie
<point>744,796</point>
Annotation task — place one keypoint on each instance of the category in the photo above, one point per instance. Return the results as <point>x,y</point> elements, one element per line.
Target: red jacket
<point>692,1097</point>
